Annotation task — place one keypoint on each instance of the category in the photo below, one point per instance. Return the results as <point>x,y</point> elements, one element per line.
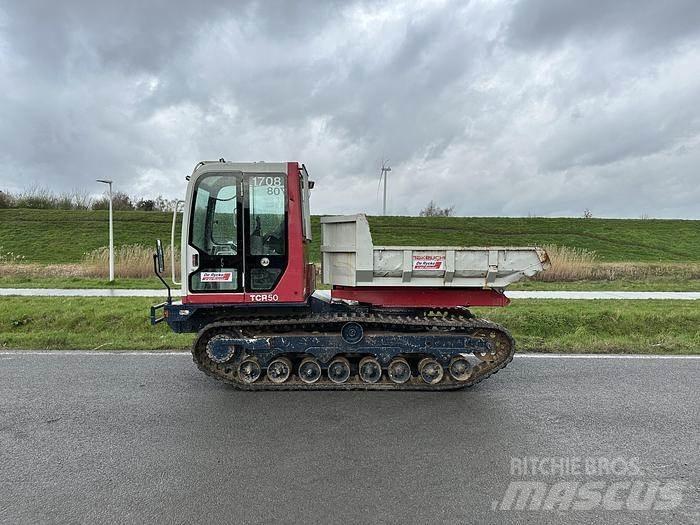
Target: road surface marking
<point>607,356</point>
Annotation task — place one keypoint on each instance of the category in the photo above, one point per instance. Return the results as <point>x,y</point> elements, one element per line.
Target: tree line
<point>43,199</point>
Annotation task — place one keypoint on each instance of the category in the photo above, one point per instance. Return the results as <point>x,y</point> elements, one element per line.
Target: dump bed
<point>350,259</point>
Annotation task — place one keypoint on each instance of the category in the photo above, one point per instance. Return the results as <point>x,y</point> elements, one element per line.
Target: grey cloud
<point>643,23</point>
<point>540,107</point>
<point>607,134</point>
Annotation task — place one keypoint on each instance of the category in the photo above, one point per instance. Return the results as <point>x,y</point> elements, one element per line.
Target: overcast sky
<point>496,107</point>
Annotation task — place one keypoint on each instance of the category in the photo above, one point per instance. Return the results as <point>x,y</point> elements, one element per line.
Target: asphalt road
<point>147,438</point>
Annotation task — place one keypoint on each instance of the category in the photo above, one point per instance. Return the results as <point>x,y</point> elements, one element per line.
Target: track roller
<point>309,370</point>
<point>399,371</point>
<point>459,368</point>
<point>249,370</point>
<point>352,333</point>
<point>339,370</point>
<point>279,370</point>
<point>430,370</point>
<point>370,370</point>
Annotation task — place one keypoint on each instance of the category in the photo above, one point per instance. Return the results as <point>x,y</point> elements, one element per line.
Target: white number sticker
<point>268,181</point>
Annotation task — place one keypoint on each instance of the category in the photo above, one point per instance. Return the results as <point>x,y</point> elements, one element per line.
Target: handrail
<point>154,316</point>
<point>172,244</point>
<point>157,272</point>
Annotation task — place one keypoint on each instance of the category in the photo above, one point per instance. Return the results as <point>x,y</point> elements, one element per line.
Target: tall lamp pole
<point>111,231</point>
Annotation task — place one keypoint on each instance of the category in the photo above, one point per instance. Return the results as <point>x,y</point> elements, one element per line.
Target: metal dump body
<point>350,259</point>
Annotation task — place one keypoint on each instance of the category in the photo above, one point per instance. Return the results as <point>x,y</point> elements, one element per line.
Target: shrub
<point>146,205</point>
<point>6,200</point>
<point>42,199</point>
<point>163,204</point>
<point>433,210</point>
<point>10,258</point>
<point>36,198</point>
<point>120,202</point>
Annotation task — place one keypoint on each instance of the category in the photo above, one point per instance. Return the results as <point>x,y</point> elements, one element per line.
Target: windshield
<point>215,215</point>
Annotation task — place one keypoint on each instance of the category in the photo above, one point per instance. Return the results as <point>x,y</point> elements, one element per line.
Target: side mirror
<point>160,260</point>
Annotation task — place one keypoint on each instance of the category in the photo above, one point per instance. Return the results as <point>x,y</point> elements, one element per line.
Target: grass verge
<point>80,282</point>
<point>84,323</point>
<point>657,284</point>
<point>618,285</point>
<point>664,327</point>
<point>601,326</point>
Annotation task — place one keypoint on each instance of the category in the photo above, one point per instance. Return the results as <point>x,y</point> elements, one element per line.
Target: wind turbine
<point>385,169</point>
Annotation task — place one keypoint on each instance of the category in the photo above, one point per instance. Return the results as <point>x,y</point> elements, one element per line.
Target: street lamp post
<point>111,231</point>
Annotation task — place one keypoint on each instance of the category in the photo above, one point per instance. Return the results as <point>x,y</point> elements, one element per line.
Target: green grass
<point>618,285</point>
<point>612,239</point>
<point>669,327</point>
<point>83,323</point>
<point>58,236</point>
<point>612,326</point>
<point>648,285</point>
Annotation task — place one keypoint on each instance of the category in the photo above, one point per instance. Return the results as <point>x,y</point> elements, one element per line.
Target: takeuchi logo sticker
<point>428,262</point>
<point>216,277</point>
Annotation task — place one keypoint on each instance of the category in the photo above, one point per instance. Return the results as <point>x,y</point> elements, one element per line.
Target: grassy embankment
<point>627,254</point>
<point>65,249</point>
<point>549,326</point>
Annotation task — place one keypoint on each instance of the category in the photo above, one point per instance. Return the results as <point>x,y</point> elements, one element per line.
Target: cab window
<point>267,215</point>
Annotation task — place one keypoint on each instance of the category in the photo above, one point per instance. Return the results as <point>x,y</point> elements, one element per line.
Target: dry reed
<point>130,261</point>
<point>568,264</point>
<point>136,261</point>
<point>577,264</point>
<point>133,260</point>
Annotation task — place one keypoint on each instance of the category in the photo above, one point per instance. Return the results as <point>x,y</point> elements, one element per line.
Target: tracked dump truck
<point>395,318</point>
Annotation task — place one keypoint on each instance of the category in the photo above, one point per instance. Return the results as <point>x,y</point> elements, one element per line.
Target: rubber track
<point>448,320</point>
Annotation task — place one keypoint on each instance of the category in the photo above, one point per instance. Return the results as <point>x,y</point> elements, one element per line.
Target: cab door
<point>265,219</point>
<point>216,231</point>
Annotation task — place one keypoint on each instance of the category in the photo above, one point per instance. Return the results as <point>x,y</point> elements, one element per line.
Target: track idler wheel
<point>496,345</point>
<point>460,368</point>
<point>279,370</point>
<point>249,370</point>
<point>370,370</point>
<point>309,370</point>
<point>339,370</point>
<point>218,351</point>
<point>430,370</point>
<point>399,371</point>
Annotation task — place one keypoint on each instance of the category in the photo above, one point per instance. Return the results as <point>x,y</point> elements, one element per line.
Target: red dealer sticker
<point>216,277</point>
<point>428,262</point>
